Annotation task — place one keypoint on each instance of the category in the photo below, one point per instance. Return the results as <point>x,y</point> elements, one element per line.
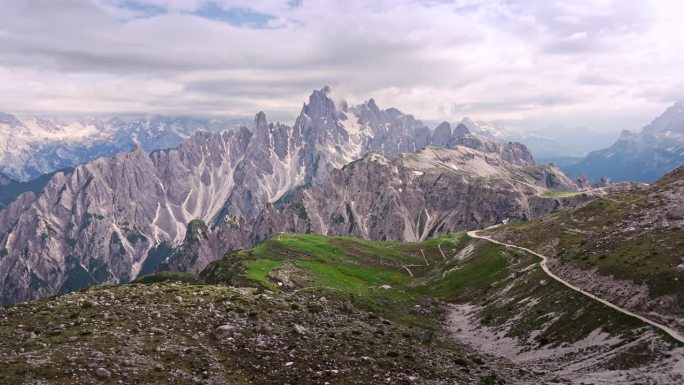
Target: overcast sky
<point>552,65</point>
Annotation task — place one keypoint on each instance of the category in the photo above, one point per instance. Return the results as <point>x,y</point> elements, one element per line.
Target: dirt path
<point>439,246</point>
<point>671,332</point>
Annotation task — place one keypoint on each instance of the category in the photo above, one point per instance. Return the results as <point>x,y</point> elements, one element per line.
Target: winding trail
<point>673,333</point>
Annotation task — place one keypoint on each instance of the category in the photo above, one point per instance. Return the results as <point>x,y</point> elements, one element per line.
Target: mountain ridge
<point>644,156</point>
<point>39,145</point>
<point>101,222</point>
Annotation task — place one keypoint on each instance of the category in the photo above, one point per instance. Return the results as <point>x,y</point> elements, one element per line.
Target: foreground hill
<point>310,309</point>
<point>626,247</point>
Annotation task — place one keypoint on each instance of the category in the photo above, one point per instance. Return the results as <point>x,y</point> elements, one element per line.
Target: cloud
<point>533,62</point>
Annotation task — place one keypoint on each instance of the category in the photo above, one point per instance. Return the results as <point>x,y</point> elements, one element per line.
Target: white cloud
<point>530,63</point>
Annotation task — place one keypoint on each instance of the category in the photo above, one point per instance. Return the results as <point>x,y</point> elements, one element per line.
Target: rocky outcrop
<point>441,135</point>
<point>512,152</point>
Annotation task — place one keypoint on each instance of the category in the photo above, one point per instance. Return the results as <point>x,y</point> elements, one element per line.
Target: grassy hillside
<point>310,309</point>
<point>634,240</point>
<point>511,296</point>
<point>451,268</point>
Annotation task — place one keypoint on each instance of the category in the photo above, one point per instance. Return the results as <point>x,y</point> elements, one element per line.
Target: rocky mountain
<point>644,156</point>
<point>412,197</point>
<point>112,218</point>
<point>38,146</point>
<point>512,152</point>
<point>625,247</point>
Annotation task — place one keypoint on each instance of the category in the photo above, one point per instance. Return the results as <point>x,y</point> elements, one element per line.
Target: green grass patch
<point>259,269</point>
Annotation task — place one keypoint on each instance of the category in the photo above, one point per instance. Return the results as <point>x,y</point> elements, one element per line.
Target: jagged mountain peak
<point>260,122</point>
<point>371,105</point>
<point>460,130</point>
<point>116,120</point>
<point>669,122</point>
<point>320,104</point>
<point>676,109</point>
<point>441,135</point>
<point>443,125</point>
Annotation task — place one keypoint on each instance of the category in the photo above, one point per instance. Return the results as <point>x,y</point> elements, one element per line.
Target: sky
<point>558,67</point>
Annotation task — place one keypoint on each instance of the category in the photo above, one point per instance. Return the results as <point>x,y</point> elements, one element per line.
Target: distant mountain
<point>544,149</point>
<point>113,218</point>
<point>38,146</point>
<point>5,180</point>
<point>642,157</point>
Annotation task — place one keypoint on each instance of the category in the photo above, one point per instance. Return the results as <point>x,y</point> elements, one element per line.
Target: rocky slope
<point>412,197</point>
<point>10,189</point>
<point>113,218</point>
<point>644,156</point>
<point>626,247</point>
<point>37,146</point>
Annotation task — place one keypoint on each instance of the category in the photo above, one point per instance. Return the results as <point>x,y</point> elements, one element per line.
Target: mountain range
<point>544,148</point>
<point>36,146</point>
<point>341,248</point>
<point>113,218</point>
<point>643,156</point>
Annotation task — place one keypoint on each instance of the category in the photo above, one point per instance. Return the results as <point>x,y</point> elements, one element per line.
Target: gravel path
<point>670,331</point>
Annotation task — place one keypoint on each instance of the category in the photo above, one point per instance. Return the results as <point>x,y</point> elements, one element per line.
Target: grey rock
<point>103,373</point>
<point>441,135</point>
<point>224,331</point>
<point>427,336</point>
<point>299,329</point>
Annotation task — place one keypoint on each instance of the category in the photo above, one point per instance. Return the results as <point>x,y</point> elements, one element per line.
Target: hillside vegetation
<point>628,247</point>
<point>311,309</point>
